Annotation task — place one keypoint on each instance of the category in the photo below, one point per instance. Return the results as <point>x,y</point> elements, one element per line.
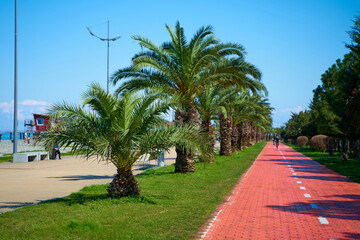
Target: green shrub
<point>301,141</point>
<point>318,142</point>
<point>323,143</point>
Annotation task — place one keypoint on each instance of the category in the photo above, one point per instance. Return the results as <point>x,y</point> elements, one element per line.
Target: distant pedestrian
<point>0,136</point>
<point>56,150</point>
<point>25,137</point>
<point>277,140</point>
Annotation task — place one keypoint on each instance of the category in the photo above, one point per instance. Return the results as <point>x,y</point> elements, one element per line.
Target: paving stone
<point>267,203</point>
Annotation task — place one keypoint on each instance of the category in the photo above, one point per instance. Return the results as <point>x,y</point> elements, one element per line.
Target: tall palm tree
<point>118,129</point>
<point>185,70</point>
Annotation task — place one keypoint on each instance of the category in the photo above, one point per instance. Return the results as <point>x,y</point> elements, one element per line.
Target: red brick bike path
<point>286,195</point>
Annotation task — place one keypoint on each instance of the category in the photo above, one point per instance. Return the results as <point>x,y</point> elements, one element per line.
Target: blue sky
<point>291,42</point>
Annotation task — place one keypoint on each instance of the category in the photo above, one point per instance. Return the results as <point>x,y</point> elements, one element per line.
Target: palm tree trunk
<point>240,135</point>
<point>124,184</point>
<point>208,129</point>
<point>357,150</point>
<point>234,139</point>
<point>185,159</point>
<point>253,134</point>
<point>246,134</point>
<point>225,134</point>
<point>249,128</point>
<point>258,135</point>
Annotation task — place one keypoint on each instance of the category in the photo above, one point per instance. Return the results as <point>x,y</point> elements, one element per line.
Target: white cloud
<point>25,108</point>
<point>34,103</point>
<point>7,107</point>
<point>292,110</point>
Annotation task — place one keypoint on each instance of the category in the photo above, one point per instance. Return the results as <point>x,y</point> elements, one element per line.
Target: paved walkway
<point>24,184</point>
<point>286,195</point>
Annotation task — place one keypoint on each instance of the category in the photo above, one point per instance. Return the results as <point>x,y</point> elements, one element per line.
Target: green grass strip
<point>171,206</point>
<point>6,158</point>
<point>350,168</point>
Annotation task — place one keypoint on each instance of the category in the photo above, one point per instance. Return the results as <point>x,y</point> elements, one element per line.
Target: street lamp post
<point>15,85</point>
<point>108,45</point>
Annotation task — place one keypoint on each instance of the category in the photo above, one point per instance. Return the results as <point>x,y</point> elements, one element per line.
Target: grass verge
<point>171,206</point>
<point>350,168</point>
<point>6,157</point>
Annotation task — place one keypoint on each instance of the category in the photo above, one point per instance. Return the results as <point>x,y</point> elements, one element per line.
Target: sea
<point>6,135</point>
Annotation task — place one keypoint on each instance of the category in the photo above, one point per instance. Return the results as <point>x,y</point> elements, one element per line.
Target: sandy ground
<point>24,184</point>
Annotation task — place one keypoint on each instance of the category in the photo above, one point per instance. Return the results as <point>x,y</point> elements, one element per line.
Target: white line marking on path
<point>210,225</point>
<point>323,220</point>
<point>313,205</point>
<point>299,182</point>
<point>294,173</point>
<point>302,188</point>
<point>307,195</point>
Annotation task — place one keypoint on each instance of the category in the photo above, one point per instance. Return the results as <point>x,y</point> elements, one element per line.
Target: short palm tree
<point>185,70</point>
<point>228,128</point>
<point>242,110</point>
<point>211,103</point>
<point>118,129</point>
<point>255,113</point>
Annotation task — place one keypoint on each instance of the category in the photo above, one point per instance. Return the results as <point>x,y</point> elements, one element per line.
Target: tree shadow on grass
<point>154,172</point>
<point>84,199</point>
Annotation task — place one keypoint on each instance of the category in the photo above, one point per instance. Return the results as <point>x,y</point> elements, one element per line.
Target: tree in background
<point>300,124</point>
<point>334,109</point>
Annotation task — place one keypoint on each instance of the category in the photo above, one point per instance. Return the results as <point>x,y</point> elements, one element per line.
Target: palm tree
<point>242,110</point>
<point>253,112</point>
<point>184,70</point>
<point>118,129</point>
<point>229,128</point>
<point>225,132</point>
<point>209,104</point>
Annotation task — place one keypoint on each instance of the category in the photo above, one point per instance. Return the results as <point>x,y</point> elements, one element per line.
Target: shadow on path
<point>83,177</point>
<point>340,209</point>
<point>14,204</point>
